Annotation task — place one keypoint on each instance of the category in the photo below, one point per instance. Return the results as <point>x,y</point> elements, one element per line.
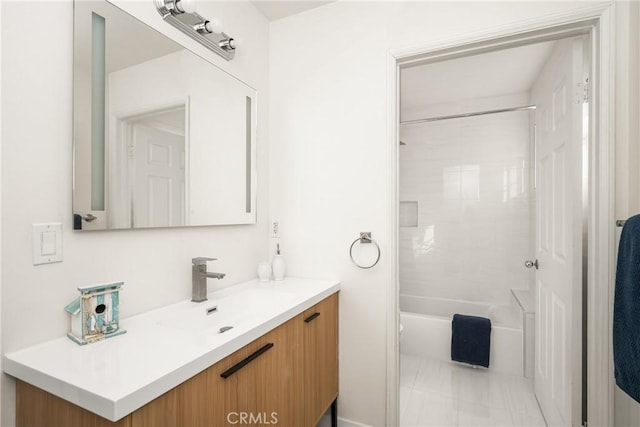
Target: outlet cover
<point>275,228</point>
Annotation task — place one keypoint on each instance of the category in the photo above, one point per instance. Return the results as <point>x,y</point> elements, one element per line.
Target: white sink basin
<point>233,311</point>
<point>197,319</point>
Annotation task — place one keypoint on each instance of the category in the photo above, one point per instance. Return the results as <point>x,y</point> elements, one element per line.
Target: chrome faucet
<point>199,277</point>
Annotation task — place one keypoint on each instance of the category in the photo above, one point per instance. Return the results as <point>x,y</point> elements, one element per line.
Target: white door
<point>558,95</point>
<point>159,177</point>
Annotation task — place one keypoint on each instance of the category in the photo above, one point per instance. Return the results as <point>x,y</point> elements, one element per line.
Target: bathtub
<point>426,331</point>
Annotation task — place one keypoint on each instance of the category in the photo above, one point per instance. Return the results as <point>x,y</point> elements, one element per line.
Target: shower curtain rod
<point>457,116</point>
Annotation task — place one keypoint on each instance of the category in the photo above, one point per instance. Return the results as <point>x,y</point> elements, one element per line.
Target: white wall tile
<point>470,177</point>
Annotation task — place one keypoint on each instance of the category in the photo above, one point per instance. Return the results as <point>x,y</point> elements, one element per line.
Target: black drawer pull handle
<point>310,318</point>
<point>244,362</point>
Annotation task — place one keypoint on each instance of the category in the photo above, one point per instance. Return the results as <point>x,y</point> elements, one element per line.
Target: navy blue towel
<point>471,339</point>
<point>626,311</point>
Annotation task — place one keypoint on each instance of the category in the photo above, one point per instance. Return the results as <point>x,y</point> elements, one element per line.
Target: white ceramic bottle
<point>277,265</point>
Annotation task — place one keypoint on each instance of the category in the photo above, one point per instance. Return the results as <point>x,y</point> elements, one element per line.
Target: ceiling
<point>503,72</point>
<point>273,10</point>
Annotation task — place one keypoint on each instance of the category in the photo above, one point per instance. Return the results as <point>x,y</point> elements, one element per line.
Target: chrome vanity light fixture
<point>182,15</point>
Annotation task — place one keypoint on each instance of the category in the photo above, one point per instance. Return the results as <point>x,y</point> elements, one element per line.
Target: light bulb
<point>208,27</point>
<point>215,25</point>
<point>186,6</point>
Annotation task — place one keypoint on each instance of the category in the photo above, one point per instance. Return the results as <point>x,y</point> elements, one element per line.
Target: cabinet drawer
<point>320,358</point>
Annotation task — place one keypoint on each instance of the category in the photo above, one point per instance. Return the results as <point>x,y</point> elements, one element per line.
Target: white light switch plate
<point>47,243</point>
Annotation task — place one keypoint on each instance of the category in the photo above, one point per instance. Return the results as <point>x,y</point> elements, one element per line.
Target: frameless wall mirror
<point>162,138</point>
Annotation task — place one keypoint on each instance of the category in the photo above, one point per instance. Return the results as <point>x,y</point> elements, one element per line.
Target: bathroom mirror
<point>162,138</point>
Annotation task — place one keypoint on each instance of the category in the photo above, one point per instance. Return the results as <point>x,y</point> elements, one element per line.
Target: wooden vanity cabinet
<point>287,377</point>
<point>320,358</point>
<point>203,400</point>
<point>261,380</point>
<point>38,408</point>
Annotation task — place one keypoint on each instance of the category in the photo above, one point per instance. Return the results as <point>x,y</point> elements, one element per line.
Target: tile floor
<point>434,393</point>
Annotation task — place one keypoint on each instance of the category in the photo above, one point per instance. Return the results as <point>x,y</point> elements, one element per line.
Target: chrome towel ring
<point>365,237</point>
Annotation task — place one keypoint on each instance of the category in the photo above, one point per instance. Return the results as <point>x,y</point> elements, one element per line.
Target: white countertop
<point>161,349</point>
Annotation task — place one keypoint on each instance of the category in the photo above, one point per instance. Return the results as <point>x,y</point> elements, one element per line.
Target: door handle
<point>528,263</point>
<point>244,362</point>
<point>89,217</point>
<point>310,318</point>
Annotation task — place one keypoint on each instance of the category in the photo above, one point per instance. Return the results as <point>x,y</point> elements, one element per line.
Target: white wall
<point>36,182</point>
<point>330,154</point>
<point>627,110</point>
<point>1,352</point>
<point>471,180</point>
<point>627,410</point>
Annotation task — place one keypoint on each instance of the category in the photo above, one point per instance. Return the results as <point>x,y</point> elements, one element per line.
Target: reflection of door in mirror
<point>158,188</point>
<point>152,173</point>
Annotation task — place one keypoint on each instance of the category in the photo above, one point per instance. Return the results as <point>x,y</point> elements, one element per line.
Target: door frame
<point>598,263</point>
<point>119,168</point>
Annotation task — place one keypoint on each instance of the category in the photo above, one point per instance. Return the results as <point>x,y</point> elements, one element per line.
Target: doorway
<point>148,170</point>
<point>558,227</point>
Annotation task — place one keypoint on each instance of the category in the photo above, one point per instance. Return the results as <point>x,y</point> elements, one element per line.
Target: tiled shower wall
<point>466,195</point>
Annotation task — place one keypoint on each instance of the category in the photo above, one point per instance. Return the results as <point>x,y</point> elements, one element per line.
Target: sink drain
<point>224,329</point>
